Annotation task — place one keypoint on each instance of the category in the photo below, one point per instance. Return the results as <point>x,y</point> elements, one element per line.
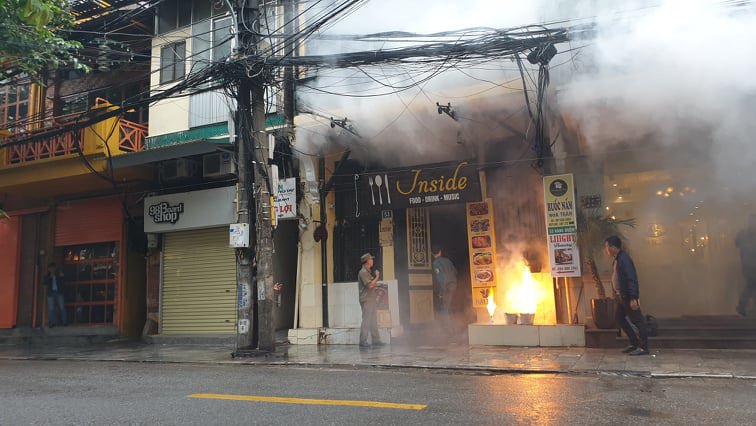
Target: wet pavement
<point>450,356</point>
<point>118,393</point>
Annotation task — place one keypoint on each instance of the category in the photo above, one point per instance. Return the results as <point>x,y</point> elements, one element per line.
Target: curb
<point>459,369</point>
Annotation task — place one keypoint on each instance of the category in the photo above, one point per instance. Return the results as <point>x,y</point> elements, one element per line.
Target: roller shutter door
<point>89,221</point>
<point>199,283</point>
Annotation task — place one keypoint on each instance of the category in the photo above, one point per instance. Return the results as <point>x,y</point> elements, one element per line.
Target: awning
<point>167,153</point>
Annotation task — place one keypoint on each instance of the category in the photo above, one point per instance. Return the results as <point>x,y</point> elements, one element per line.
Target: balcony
<point>101,138</point>
<point>70,161</point>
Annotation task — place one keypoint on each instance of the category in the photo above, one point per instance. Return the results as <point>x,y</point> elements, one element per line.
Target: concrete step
<point>71,335</point>
<point>610,339</point>
<point>705,331</point>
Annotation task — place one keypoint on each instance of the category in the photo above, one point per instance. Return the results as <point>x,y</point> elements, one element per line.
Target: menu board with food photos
<point>482,245</point>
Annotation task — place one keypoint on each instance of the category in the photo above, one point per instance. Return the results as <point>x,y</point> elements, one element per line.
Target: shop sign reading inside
<point>561,225</point>
<point>419,186</point>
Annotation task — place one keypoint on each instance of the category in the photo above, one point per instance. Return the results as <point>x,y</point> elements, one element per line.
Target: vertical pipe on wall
<point>298,284</point>
<point>323,242</point>
<point>36,271</point>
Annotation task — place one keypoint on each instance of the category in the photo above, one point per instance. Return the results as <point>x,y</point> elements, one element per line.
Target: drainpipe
<point>323,242</point>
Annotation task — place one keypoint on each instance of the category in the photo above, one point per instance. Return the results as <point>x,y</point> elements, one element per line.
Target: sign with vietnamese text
<point>561,225</point>
<point>285,202</point>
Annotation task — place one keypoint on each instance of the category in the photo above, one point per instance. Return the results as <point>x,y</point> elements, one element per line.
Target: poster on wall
<point>482,248</point>
<point>285,202</point>
<point>561,225</point>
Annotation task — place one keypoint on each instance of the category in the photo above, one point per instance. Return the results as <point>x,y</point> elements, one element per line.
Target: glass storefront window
<point>91,273</point>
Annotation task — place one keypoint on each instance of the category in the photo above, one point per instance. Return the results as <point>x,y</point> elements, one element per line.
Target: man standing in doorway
<point>446,280</point>
<point>746,244</point>
<point>627,293</point>
<point>54,286</point>
<point>367,282</point>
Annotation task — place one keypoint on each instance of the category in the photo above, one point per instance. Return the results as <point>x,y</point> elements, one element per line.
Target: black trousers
<point>633,323</point>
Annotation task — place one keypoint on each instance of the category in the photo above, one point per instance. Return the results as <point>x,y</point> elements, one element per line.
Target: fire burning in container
<point>524,297</point>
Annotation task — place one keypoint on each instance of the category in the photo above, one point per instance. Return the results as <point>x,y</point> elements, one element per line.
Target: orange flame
<point>526,293</point>
<point>491,305</point>
<point>522,295</point>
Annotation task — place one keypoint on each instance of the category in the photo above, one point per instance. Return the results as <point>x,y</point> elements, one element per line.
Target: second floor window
<point>172,59</point>
<point>14,106</point>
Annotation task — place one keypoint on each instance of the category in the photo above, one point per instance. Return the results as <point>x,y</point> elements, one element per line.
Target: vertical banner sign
<point>482,245</point>
<point>561,225</point>
<point>285,202</point>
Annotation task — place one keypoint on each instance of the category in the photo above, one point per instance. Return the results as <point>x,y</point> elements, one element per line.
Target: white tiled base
<point>526,335</point>
<point>332,336</point>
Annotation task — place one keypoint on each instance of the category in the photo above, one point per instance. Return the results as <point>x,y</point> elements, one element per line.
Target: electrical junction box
<point>239,235</point>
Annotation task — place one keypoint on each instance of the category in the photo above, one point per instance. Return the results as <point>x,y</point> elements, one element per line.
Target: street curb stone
<point>440,368</point>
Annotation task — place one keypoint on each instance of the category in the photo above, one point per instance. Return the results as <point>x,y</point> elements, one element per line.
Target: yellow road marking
<point>306,401</point>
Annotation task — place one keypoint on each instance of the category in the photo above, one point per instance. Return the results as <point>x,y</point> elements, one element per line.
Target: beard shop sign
<point>190,210</point>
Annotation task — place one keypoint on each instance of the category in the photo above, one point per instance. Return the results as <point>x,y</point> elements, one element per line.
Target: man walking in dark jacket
<point>627,294</point>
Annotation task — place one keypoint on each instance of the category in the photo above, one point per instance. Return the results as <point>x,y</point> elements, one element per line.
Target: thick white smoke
<point>679,74</point>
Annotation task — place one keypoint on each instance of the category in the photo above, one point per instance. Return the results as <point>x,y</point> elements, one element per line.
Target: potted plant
<point>593,228</point>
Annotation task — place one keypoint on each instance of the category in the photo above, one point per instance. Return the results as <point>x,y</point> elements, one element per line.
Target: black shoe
<point>639,351</point>
<point>629,349</point>
<point>741,311</point>
<point>364,345</point>
<point>379,343</point>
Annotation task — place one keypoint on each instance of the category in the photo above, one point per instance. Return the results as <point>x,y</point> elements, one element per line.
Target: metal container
<point>525,319</point>
<point>510,319</point>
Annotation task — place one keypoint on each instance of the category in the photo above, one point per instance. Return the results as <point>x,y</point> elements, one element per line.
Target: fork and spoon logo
<point>378,181</point>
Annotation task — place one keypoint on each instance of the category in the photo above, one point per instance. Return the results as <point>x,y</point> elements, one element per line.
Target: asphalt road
<point>100,393</point>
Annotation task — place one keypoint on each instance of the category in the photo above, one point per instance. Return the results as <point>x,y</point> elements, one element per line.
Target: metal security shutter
<point>89,221</point>
<point>199,283</point>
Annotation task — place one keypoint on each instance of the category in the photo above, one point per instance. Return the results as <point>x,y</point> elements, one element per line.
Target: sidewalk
<point>663,363</point>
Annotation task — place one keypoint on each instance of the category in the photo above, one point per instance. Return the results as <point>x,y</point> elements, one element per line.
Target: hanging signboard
<point>482,248</point>
<point>561,225</point>
<point>285,202</point>
<point>419,186</point>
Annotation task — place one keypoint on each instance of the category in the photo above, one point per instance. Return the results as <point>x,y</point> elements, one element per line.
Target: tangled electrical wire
<point>441,51</point>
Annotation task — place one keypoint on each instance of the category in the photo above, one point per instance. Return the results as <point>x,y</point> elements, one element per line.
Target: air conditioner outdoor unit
<point>176,169</point>
<point>217,165</point>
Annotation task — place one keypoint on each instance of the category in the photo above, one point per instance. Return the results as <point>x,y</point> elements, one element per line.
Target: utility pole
<point>255,327</point>
<point>289,88</point>
<point>264,228</point>
<point>246,337</point>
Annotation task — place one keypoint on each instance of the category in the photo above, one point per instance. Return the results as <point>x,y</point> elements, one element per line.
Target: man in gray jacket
<point>446,281</point>
<point>367,281</point>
